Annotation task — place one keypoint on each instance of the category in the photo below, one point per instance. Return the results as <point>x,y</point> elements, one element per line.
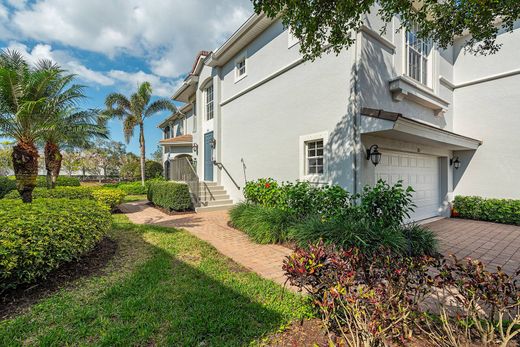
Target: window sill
<point>238,79</point>
<point>404,87</point>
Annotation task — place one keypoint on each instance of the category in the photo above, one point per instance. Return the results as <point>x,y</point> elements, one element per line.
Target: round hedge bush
<point>37,238</point>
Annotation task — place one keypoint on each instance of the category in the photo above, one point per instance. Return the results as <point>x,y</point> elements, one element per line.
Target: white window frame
<point>241,58</point>
<point>291,39</point>
<point>209,106</point>
<point>304,140</point>
<point>425,52</point>
<point>194,108</point>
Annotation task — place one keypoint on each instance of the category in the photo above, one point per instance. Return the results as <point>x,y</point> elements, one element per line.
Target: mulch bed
<point>92,263</point>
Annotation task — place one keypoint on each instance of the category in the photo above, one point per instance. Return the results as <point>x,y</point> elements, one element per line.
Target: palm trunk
<point>25,165</point>
<point>53,159</point>
<point>143,152</point>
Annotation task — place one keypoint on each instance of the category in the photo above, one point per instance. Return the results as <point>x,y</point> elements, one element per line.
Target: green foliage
<point>262,224</point>
<point>6,185</point>
<point>504,211</point>
<point>61,181</point>
<point>36,238</point>
<point>130,188</point>
<point>331,25</point>
<point>110,197</point>
<point>302,213</point>
<point>173,196</point>
<point>152,169</point>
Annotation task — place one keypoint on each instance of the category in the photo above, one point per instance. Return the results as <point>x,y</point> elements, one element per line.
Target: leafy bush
<point>61,181</point>
<point>173,196</point>
<point>132,188</point>
<point>109,197</point>
<point>370,298</point>
<point>6,185</point>
<point>505,211</point>
<point>37,238</point>
<point>262,224</point>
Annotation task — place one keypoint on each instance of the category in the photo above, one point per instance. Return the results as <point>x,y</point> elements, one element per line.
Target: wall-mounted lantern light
<point>374,155</point>
<point>455,162</point>
<point>195,148</point>
<point>213,143</point>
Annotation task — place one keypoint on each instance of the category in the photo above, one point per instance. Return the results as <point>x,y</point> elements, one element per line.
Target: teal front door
<point>208,156</point>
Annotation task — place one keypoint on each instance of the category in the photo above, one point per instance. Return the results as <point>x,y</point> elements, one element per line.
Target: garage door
<point>416,170</point>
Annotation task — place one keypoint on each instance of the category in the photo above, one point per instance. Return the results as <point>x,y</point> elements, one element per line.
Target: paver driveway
<point>494,244</point>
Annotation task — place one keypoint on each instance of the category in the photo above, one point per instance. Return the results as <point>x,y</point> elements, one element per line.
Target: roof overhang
<point>254,25</point>
<point>179,141</point>
<point>181,112</point>
<point>187,89</point>
<point>396,126</point>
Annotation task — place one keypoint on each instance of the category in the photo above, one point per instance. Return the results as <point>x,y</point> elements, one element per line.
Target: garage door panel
<point>421,172</point>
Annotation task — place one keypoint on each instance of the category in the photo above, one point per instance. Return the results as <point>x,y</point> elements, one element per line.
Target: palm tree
<point>71,128</point>
<point>23,97</point>
<point>134,111</point>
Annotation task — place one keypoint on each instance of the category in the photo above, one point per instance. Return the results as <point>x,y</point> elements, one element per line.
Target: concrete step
<point>214,198</point>
<point>217,202</point>
<point>217,189</point>
<point>208,184</point>
<point>213,208</point>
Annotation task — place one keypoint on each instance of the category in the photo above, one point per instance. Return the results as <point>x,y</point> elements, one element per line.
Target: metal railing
<point>182,170</point>
<point>221,166</point>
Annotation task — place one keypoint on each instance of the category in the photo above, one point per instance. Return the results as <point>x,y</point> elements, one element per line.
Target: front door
<point>208,156</point>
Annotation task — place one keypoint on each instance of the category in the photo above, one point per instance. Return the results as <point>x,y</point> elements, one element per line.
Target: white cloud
<point>167,33</point>
<point>44,51</point>
<point>131,80</point>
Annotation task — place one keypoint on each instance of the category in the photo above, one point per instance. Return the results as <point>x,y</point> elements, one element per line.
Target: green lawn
<point>164,287</point>
<point>131,198</point>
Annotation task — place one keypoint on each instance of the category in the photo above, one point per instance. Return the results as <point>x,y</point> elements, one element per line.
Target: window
<point>240,68</point>
<point>314,157</point>
<point>417,56</point>
<point>180,127</point>
<point>209,102</point>
<point>167,132</point>
<point>194,117</point>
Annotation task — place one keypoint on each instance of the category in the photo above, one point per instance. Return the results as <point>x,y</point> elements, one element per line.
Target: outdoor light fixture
<point>213,143</point>
<point>195,148</point>
<point>374,155</point>
<point>455,162</point>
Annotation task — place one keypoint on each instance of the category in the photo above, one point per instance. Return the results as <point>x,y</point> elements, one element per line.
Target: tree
<point>333,23</point>
<point>153,169</point>
<point>6,163</point>
<point>134,111</point>
<point>23,98</point>
<point>157,155</point>
<point>71,127</point>
<point>130,169</point>
<point>71,161</point>
<point>111,154</point>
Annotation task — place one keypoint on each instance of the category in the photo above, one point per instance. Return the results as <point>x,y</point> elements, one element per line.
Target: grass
<point>132,198</point>
<point>164,287</point>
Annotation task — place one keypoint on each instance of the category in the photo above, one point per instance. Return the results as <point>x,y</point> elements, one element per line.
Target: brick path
<point>494,244</point>
<point>266,260</point>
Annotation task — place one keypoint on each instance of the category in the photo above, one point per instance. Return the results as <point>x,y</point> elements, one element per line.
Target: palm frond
<point>159,105</point>
<point>129,125</point>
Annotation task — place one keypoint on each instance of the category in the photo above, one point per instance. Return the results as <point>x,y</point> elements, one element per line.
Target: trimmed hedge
<point>37,238</point>
<point>6,185</point>
<point>506,211</point>
<point>61,181</point>
<point>109,197</point>
<point>173,196</point>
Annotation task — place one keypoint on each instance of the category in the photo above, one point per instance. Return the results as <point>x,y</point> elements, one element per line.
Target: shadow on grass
<point>184,294</point>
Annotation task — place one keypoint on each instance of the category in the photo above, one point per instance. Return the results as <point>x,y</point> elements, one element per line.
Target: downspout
<point>357,115</point>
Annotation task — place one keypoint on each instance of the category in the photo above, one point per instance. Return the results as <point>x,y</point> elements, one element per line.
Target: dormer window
<point>167,132</point>
<point>240,68</point>
<point>418,53</point>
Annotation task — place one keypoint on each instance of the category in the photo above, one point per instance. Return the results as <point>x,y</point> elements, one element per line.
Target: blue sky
<point>112,45</point>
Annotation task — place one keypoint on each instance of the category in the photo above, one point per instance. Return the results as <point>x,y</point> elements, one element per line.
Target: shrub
<point>505,211</point>
<point>37,238</point>
<point>265,192</point>
<point>173,196</point>
<point>132,188</point>
<point>109,197</point>
<point>6,185</point>
<point>368,297</point>
<point>61,181</point>
<point>262,224</point>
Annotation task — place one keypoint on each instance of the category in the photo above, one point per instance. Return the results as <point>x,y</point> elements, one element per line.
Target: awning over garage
<point>395,126</point>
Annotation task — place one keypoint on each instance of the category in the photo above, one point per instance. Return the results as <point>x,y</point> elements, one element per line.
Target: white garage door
<point>416,170</point>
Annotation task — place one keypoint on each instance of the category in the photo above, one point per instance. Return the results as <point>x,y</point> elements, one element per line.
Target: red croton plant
<point>372,299</point>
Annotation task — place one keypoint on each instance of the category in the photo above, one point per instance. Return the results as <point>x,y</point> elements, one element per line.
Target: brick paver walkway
<point>494,244</point>
<point>212,227</point>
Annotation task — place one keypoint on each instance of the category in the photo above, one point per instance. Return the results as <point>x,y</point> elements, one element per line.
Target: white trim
<point>241,57</point>
<point>489,78</point>
<point>377,37</point>
<point>323,135</point>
